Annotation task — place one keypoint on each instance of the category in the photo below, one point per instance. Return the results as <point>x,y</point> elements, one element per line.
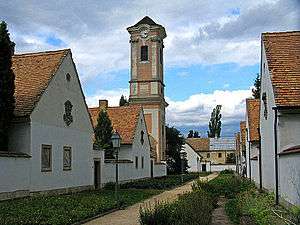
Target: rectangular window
<point>208,155</point>
<point>144,53</point>
<point>142,162</point>
<point>161,56</point>
<point>220,155</point>
<point>136,162</point>
<point>46,158</point>
<point>67,159</point>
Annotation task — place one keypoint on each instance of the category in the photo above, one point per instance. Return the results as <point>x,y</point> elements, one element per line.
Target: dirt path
<point>219,216</point>
<point>130,215</point>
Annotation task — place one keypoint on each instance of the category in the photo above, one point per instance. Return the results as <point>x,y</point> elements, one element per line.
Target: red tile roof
<point>237,141</point>
<point>283,57</point>
<point>124,119</point>
<point>198,144</point>
<point>252,106</point>
<point>33,72</point>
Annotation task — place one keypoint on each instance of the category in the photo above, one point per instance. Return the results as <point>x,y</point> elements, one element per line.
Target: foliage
<point>123,101</point>
<point>227,171</point>
<point>215,123</point>
<point>230,158</point>
<point>193,208</point>
<point>193,134</point>
<point>66,209</point>
<point>160,183</point>
<point>175,142</point>
<point>103,132</point>
<point>7,85</point>
<point>256,89</point>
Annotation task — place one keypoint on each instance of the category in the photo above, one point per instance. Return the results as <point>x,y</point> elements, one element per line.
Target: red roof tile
<point>198,144</point>
<point>124,119</point>
<point>243,133</point>
<point>283,57</point>
<point>33,72</point>
<point>252,106</point>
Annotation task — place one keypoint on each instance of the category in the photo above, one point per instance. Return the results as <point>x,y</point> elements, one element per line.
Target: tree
<point>190,134</point>
<point>256,89</point>
<point>230,158</point>
<point>123,101</point>
<point>103,132</point>
<point>196,134</point>
<point>215,123</point>
<point>7,85</point>
<point>175,142</point>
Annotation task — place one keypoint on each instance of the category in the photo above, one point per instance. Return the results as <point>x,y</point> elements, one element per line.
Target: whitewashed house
<point>50,140</point>
<point>253,140</point>
<point>193,158</point>
<point>280,114</point>
<point>135,161</point>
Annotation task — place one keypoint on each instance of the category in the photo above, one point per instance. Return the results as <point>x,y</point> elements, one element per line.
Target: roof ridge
<point>42,53</point>
<point>281,33</point>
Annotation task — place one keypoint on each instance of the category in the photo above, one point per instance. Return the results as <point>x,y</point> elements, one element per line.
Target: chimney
<point>103,104</point>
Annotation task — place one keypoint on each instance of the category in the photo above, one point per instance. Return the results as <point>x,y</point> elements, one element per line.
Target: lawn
<point>66,209</point>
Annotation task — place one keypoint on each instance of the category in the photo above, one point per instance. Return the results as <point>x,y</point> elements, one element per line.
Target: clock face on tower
<point>144,32</point>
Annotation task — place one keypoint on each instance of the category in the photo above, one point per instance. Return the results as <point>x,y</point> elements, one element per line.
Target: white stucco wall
<point>217,168</point>
<point>48,127</point>
<point>159,170</point>
<point>266,128</point>
<point>193,159</point>
<point>19,137</point>
<point>14,174</point>
<point>255,171</point>
<point>289,178</point>
<point>288,129</point>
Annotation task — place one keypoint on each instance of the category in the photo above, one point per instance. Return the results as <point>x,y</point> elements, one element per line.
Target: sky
<point>212,49</point>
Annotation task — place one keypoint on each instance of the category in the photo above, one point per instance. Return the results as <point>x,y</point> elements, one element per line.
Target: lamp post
<point>182,156</point>
<point>116,139</point>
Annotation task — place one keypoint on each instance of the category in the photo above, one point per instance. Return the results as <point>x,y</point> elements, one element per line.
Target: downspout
<point>276,157</point>
<point>259,158</point>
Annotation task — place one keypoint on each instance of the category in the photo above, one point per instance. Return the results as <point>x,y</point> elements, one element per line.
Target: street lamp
<point>182,157</point>
<point>116,140</point>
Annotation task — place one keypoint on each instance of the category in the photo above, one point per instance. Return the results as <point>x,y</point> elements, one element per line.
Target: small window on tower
<point>144,53</point>
<point>161,56</point>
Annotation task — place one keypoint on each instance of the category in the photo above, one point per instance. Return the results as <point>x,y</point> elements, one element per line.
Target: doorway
<point>97,174</point>
<point>203,167</point>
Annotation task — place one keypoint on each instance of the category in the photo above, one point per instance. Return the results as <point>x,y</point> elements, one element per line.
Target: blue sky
<point>212,49</point>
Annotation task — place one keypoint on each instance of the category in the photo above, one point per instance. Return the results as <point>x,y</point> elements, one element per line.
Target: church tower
<point>147,78</point>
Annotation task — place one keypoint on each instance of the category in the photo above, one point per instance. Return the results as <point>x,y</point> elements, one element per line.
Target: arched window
<point>144,53</point>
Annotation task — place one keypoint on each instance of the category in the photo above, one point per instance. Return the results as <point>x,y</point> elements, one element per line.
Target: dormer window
<point>144,53</point>
<point>264,99</point>
<point>142,137</point>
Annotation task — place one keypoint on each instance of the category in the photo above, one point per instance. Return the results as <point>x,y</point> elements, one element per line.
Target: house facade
<point>253,139</point>
<point>50,140</point>
<point>214,152</point>
<point>280,114</point>
<point>136,161</point>
<point>193,158</point>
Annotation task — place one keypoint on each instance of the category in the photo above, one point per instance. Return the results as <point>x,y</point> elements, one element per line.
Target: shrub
<point>193,208</point>
<point>227,171</point>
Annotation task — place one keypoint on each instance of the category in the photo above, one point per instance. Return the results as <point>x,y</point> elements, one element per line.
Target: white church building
<point>50,140</point>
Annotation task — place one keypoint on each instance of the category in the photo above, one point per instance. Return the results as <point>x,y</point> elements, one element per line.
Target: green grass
<point>66,209</point>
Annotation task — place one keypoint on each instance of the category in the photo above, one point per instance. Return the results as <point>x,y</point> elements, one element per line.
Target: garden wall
<point>221,167</point>
<point>159,170</point>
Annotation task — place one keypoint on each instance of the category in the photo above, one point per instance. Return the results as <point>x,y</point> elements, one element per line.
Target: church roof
<point>252,106</point>
<point>33,72</point>
<point>145,20</point>
<point>124,119</point>
<point>282,52</point>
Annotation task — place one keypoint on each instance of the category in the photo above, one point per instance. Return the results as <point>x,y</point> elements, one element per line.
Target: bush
<point>227,171</point>
<point>193,208</point>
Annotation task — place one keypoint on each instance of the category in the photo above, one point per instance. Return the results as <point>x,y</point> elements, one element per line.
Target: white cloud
<point>113,97</point>
<point>196,110</point>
